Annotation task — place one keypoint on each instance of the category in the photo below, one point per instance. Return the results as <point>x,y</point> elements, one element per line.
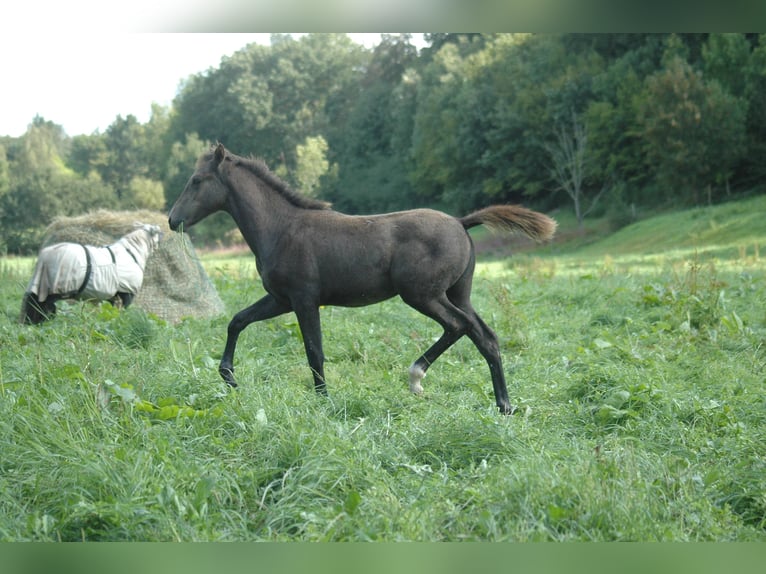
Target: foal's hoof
<point>228,377</point>
<point>416,375</point>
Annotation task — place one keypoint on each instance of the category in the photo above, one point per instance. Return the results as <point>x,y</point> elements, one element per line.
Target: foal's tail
<point>513,218</point>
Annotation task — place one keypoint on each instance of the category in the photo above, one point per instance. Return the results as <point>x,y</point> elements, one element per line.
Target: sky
<point>82,81</point>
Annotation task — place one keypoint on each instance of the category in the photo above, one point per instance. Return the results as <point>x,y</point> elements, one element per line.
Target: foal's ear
<point>220,153</point>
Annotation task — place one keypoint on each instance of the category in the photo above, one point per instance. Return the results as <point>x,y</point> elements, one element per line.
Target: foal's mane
<point>262,171</point>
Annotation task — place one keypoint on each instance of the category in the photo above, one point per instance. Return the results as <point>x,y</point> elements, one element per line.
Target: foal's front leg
<point>311,329</point>
<point>265,308</point>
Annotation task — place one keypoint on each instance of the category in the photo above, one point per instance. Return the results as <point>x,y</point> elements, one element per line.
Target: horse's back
<point>360,260</point>
<point>103,282</point>
<point>414,225</point>
<point>382,239</point>
<point>432,251</point>
<point>60,269</point>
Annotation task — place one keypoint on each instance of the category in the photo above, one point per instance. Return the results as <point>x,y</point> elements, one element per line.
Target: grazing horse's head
<point>204,193</point>
<point>144,239</point>
<point>153,233</point>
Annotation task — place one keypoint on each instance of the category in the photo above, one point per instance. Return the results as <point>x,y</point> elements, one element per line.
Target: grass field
<point>637,360</point>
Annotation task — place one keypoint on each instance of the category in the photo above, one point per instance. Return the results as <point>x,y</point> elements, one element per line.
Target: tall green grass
<point>640,381</point>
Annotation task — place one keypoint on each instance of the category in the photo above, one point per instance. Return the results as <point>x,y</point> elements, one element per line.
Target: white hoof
<point>416,375</point>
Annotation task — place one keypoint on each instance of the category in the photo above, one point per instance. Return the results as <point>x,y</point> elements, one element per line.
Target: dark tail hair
<point>513,218</point>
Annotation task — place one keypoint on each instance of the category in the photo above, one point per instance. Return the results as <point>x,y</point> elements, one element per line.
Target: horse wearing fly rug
<point>309,255</point>
<point>76,271</point>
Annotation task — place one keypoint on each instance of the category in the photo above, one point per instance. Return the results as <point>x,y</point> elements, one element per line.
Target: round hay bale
<point>175,283</point>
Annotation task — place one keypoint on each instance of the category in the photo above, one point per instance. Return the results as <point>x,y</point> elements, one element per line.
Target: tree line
<point>602,124</point>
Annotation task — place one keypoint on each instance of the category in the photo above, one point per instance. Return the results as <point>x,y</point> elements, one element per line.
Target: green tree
<point>82,194</point>
<point>157,141</point>
<point>180,165</point>
<point>616,146</point>
<point>44,146</point>
<point>34,196</point>
<point>266,100</point>
<point>694,131</point>
<point>312,164</point>
<point>753,168</point>
<point>725,58</point>
<point>144,193</point>
<point>5,186</point>
<point>370,140</point>
<point>126,154</point>
<point>571,166</point>
<point>88,154</point>
<point>484,117</point>
<point>41,186</point>
<point>435,145</point>
<point>5,174</point>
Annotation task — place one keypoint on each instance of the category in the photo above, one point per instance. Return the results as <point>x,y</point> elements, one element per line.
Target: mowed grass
<point>640,381</point>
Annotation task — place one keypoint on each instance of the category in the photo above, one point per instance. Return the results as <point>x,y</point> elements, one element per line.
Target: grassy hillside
<point>723,229</point>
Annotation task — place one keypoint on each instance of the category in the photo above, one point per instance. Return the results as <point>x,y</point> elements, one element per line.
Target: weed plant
<point>640,383</point>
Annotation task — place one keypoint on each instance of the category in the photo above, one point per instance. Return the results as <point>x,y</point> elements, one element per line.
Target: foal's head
<point>204,193</point>
<point>214,179</point>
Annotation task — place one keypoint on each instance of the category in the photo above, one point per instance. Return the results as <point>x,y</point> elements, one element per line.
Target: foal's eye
<point>196,180</point>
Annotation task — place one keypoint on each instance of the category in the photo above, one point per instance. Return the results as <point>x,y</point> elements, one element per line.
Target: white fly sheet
<point>71,270</point>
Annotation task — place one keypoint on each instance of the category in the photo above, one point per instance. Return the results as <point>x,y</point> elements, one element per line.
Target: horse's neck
<point>138,244</point>
<point>261,213</point>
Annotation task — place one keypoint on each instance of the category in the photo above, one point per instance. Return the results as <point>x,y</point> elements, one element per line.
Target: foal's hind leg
<point>458,322</point>
<point>309,323</point>
<point>485,341</point>
<point>417,370</point>
<point>455,326</point>
<point>264,308</point>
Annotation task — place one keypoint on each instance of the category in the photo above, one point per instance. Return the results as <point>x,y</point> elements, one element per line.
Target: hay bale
<point>175,283</point>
